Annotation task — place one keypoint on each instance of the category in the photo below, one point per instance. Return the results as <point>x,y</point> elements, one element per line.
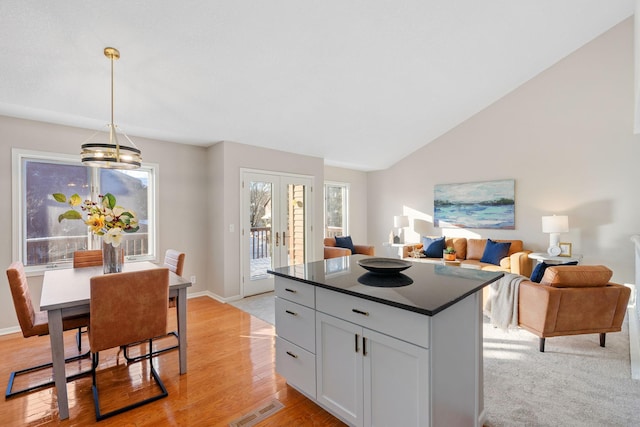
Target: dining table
<point>67,292</point>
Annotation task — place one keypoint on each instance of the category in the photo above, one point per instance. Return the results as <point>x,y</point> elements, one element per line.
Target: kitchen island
<point>401,349</point>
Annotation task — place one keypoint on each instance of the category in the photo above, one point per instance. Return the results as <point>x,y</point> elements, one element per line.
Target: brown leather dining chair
<point>35,323</point>
<point>82,259</point>
<point>174,261</point>
<point>127,308</point>
<point>87,258</point>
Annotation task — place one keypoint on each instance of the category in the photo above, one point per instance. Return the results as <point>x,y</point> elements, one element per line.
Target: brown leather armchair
<point>332,251</point>
<point>572,300</point>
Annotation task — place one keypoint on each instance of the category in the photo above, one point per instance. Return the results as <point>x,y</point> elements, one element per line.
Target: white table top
<point>541,256</point>
<point>71,287</point>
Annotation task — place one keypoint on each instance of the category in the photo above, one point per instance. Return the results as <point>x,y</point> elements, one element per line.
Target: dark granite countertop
<point>422,288</point>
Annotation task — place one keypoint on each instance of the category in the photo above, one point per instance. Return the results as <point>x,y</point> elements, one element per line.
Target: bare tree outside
<point>260,204</point>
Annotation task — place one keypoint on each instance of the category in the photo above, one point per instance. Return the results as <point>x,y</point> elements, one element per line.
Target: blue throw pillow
<point>494,252</point>
<point>538,270</point>
<point>433,248</point>
<point>345,242</point>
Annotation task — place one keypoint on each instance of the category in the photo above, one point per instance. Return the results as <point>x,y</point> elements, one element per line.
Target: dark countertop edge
<point>385,301</point>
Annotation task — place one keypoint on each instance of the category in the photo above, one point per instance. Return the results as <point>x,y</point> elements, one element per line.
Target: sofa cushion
<point>459,244</point>
<point>495,251</point>
<point>538,270</point>
<point>433,246</point>
<point>475,248</point>
<point>345,242</point>
<point>576,276</point>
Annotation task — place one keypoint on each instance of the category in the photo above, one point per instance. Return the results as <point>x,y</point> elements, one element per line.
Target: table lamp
<point>554,225</point>
<point>400,222</point>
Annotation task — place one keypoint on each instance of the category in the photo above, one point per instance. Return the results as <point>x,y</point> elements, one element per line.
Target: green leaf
<point>60,197</point>
<point>132,230</point>
<point>71,214</point>
<point>109,200</point>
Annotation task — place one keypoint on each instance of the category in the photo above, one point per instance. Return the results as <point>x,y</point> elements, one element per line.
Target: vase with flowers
<point>105,219</point>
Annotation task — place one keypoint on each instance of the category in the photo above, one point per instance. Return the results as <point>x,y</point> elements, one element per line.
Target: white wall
<point>566,137</point>
<point>357,216</point>
<point>229,158</point>
<point>182,180</point>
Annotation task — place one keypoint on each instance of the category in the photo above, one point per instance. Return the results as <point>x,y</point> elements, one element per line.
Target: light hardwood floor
<point>231,372</point>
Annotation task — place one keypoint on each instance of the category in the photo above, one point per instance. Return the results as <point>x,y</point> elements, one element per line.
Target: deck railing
<point>260,239</point>
<point>51,250</point>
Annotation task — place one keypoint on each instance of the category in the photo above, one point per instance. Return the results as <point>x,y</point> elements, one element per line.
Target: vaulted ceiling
<point>360,83</point>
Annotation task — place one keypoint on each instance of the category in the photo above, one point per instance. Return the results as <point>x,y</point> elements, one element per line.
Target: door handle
<point>277,239</point>
<point>284,241</point>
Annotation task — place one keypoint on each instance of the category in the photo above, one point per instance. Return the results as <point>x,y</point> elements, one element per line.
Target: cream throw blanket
<point>502,305</point>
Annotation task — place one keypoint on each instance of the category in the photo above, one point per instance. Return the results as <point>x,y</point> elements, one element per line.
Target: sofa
<point>469,253</point>
<point>333,251</point>
<point>571,300</point>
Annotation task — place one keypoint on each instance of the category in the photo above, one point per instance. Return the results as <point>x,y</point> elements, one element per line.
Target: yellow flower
<point>96,222</point>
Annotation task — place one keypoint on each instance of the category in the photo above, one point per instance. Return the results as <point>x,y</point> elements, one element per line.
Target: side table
<point>397,250</point>
<point>541,256</point>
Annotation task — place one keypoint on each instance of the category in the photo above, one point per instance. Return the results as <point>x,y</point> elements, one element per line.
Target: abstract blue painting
<point>489,204</point>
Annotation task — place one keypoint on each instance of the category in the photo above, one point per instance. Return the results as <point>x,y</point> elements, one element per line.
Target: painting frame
<point>480,205</point>
<point>565,249</point>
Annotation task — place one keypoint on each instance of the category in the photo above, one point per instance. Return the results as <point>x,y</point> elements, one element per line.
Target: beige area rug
<point>261,306</point>
<point>257,415</point>
<point>575,382</point>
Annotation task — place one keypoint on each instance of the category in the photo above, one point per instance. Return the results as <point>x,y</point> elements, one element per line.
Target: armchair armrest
<point>335,252</point>
<point>521,263</point>
<point>365,249</point>
<point>537,307</point>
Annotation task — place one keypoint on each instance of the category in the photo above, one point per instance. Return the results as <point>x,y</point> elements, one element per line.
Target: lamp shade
<point>400,221</point>
<point>555,224</point>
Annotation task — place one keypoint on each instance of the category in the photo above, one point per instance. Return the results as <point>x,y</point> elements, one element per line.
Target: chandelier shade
<point>111,154</point>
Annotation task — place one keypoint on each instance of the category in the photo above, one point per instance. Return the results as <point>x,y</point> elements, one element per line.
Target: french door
<point>276,226</point>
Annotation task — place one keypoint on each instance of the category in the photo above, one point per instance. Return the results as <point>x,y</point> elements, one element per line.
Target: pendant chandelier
<point>111,154</point>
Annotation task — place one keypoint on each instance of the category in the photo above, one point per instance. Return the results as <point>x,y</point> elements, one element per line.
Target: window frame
<point>345,205</point>
<point>18,244</point>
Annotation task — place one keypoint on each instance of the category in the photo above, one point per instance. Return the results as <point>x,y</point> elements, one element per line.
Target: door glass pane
<point>130,188</point>
<point>260,220</point>
<point>295,225</point>
<point>47,240</point>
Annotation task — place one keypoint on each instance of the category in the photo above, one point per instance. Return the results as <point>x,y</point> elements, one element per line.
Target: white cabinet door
<point>339,368</point>
<point>396,382</point>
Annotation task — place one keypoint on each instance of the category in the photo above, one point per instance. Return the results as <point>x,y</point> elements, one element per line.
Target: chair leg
<point>10,392</point>
<point>542,345</point>
<point>151,353</point>
<point>603,338</point>
<point>96,399</point>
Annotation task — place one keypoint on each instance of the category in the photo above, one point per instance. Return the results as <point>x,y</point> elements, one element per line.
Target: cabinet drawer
<point>402,324</point>
<point>296,323</point>
<point>297,365</point>
<point>292,290</point>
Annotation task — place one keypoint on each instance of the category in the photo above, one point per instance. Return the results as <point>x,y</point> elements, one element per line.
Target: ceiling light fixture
<point>111,154</point>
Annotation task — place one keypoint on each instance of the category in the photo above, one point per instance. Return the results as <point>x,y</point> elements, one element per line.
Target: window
<point>336,202</point>
<point>40,241</point>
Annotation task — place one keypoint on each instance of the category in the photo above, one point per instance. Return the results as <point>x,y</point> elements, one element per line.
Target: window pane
<point>335,210</point>
<point>131,190</point>
<point>47,240</point>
